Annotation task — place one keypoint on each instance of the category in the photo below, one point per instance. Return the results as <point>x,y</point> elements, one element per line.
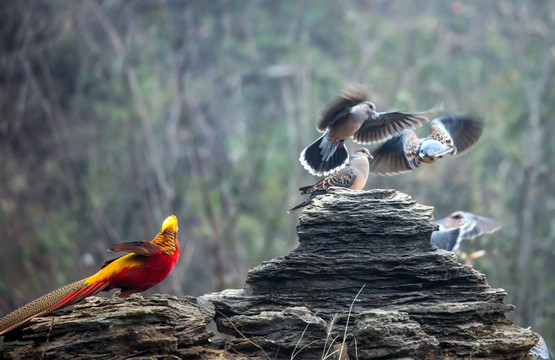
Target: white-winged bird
<point>459,226</point>
<point>351,115</point>
<point>353,176</point>
<point>540,351</point>
<point>453,135</point>
<point>446,239</point>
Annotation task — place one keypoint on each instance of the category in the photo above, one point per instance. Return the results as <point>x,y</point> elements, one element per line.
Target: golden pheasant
<point>147,263</point>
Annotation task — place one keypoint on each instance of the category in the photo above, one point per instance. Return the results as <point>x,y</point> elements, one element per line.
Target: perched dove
<point>453,135</point>
<point>353,176</point>
<point>465,225</point>
<point>540,351</point>
<point>351,115</point>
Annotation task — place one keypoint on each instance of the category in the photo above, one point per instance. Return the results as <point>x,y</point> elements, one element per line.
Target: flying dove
<point>540,351</point>
<point>446,239</point>
<point>353,176</point>
<point>468,225</point>
<point>453,135</point>
<point>351,115</point>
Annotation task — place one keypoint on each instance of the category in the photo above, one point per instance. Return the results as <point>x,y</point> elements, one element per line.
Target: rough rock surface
<point>161,326</point>
<point>364,283</point>
<point>365,258</point>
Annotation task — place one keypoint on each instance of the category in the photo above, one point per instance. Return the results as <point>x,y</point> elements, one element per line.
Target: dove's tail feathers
<point>303,204</point>
<point>57,299</point>
<point>304,189</point>
<point>324,157</point>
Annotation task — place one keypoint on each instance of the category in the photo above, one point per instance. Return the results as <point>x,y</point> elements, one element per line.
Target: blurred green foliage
<point>115,114</point>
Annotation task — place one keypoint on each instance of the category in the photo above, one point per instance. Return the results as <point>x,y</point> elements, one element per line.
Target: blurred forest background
<point>116,114</point>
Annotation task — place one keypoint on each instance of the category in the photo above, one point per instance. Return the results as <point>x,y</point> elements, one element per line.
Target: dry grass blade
<point>328,354</point>
<point>324,351</point>
<point>348,318</point>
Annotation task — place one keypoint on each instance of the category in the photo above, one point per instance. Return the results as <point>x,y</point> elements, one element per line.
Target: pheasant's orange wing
<point>145,248</point>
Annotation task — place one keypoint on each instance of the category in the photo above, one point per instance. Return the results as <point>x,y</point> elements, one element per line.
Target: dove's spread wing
<point>455,220</point>
<point>541,350</point>
<point>477,225</point>
<point>384,125</point>
<point>461,132</point>
<point>471,225</point>
<point>397,155</point>
<point>341,107</point>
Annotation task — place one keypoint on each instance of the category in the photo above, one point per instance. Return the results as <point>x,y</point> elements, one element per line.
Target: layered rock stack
<point>365,257</point>
<point>364,283</point>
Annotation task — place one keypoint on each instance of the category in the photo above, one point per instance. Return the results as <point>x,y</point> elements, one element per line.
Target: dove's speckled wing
<point>397,155</point>
<point>461,132</point>
<point>540,350</point>
<point>343,178</point>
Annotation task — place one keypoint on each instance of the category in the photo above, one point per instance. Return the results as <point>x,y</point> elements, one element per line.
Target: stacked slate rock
<point>366,282</point>
<point>157,327</point>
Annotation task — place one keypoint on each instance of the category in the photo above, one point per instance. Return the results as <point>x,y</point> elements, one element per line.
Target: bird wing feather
<point>145,248</point>
<point>396,155</point>
<point>341,107</point>
<point>114,267</point>
<point>471,225</point>
<point>385,125</point>
<point>541,350</point>
<point>343,178</point>
<point>456,219</point>
<point>461,132</point>
<point>478,225</point>
<point>446,239</point>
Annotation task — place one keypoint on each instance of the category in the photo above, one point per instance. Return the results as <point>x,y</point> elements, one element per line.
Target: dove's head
<point>431,150</point>
<point>370,106</point>
<point>366,107</point>
<point>370,109</point>
<point>363,152</point>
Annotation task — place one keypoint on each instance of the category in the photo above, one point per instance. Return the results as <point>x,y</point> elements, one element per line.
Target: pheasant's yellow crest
<point>171,221</point>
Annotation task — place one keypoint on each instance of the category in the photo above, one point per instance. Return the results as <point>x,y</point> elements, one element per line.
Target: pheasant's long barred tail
<point>65,296</point>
